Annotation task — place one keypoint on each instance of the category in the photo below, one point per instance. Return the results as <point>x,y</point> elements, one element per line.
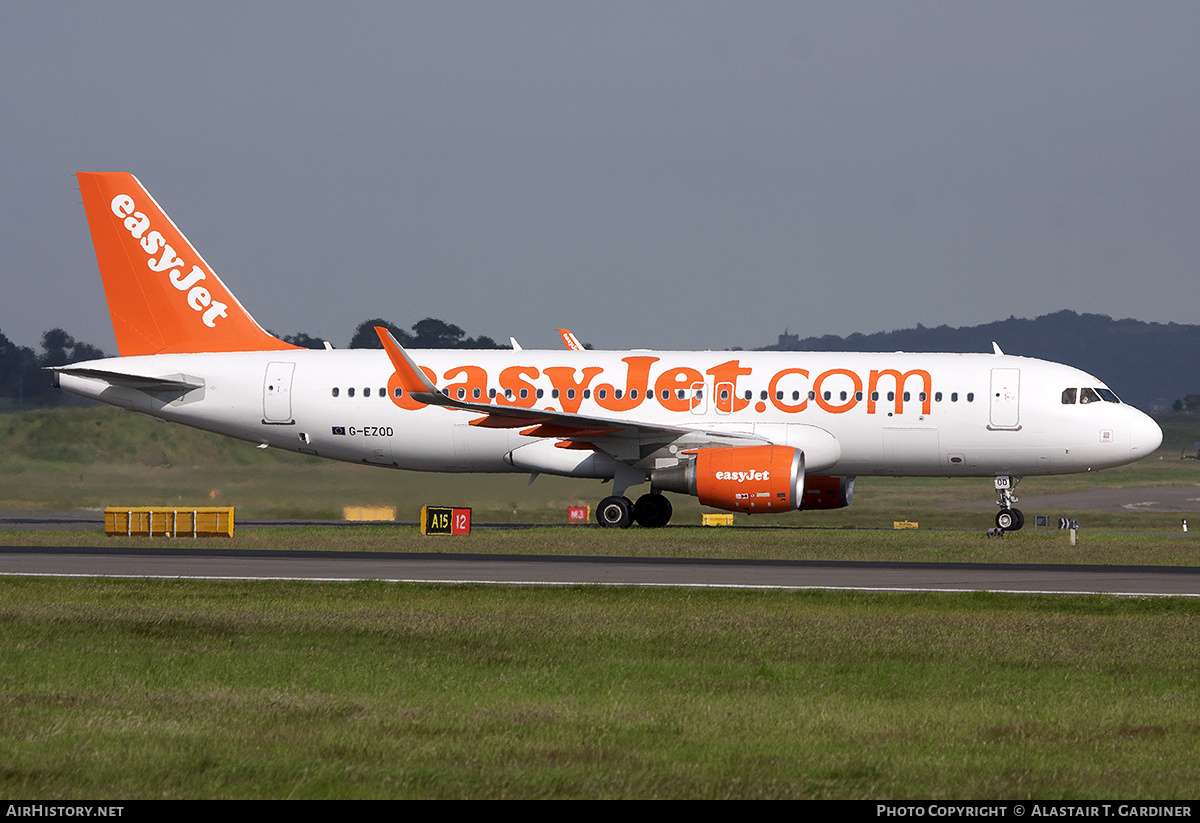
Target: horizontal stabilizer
<point>171,383</point>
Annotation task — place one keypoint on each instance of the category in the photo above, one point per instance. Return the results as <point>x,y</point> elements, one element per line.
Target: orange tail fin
<point>162,296</point>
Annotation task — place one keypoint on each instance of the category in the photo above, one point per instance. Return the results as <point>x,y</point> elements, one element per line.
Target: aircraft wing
<point>626,440</point>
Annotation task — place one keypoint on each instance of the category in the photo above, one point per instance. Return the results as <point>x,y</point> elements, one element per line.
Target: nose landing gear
<point>1008,519</point>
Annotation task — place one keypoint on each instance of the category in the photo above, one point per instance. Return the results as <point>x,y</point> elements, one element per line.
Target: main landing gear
<point>651,510</point>
<point>1008,519</point>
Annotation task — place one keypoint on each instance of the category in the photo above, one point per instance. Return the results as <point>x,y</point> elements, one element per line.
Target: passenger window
<point>399,392</point>
<point>1068,397</point>
<point>970,397</point>
<point>335,391</point>
<point>350,392</point>
<point>367,392</point>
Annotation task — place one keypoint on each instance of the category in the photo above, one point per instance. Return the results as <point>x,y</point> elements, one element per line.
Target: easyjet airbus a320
<point>754,432</point>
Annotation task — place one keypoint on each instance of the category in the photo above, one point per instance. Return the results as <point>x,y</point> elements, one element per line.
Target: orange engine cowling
<point>827,492</point>
<point>753,479</point>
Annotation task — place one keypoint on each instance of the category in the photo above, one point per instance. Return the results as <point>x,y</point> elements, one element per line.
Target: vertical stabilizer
<point>162,296</point>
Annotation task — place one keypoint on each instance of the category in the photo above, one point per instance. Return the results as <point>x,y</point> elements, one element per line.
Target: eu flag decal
<point>339,429</point>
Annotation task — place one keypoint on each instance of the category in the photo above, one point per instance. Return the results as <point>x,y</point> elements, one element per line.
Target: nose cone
<point>1144,436</point>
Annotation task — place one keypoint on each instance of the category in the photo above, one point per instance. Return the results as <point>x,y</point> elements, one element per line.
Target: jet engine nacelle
<point>827,492</point>
<point>753,479</point>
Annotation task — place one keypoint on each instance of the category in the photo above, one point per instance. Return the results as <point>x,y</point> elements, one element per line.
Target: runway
<point>227,564</point>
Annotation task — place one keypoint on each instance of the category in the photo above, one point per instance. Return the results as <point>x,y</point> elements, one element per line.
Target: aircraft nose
<point>1144,435</point>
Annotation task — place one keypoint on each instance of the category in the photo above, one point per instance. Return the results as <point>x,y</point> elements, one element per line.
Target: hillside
<point>1148,364</point>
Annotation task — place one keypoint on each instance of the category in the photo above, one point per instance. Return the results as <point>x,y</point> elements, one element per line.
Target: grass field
<point>173,689</point>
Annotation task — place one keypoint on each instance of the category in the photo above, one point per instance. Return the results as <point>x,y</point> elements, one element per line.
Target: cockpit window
<point>1086,395</point>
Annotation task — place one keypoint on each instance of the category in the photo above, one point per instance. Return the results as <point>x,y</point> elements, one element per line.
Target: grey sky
<point>649,174</point>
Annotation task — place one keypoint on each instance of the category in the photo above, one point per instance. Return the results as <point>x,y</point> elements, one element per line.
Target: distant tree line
<point>24,383</point>
<point>429,333</point>
<point>426,334</point>
<point>1147,364</point>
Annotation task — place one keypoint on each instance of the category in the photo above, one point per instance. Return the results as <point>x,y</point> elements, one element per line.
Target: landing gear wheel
<point>1010,520</point>
<point>615,512</point>
<point>652,511</point>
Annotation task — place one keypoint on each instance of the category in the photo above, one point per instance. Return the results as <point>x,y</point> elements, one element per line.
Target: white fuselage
<point>851,413</point>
